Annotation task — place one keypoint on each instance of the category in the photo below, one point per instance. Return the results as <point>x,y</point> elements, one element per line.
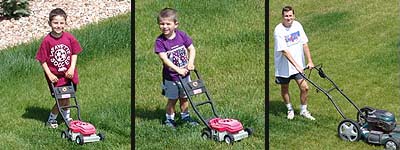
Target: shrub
<point>14,8</point>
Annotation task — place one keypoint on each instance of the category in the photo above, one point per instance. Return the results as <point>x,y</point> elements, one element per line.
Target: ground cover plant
<point>229,39</point>
<point>103,92</point>
<point>357,43</point>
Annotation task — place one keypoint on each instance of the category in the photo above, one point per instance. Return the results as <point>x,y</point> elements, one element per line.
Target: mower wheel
<point>64,134</point>
<point>249,131</point>
<point>102,136</point>
<point>206,134</point>
<point>392,144</point>
<point>79,139</point>
<point>229,139</point>
<point>365,110</point>
<point>349,130</point>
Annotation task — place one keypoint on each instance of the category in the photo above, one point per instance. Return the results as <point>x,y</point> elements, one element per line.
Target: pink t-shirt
<point>57,53</point>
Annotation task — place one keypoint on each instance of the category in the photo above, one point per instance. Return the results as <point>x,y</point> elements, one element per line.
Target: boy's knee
<point>172,101</point>
<point>304,88</point>
<point>284,89</point>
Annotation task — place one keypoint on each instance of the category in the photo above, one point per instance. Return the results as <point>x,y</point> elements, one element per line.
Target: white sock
<point>172,116</point>
<point>185,114</point>
<point>66,113</point>
<point>303,108</point>
<point>52,116</point>
<point>289,107</point>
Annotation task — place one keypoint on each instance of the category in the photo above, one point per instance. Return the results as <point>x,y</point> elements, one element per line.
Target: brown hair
<point>57,12</point>
<point>168,13</point>
<point>287,8</point>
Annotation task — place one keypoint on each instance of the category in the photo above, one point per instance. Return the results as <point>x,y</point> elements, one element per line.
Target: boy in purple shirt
<point>172,47</point>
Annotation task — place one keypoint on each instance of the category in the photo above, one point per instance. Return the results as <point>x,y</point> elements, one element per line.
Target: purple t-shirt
<point>176,50</point>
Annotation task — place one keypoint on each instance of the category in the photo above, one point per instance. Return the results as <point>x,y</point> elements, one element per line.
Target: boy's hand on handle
<point>190,67</point>
<point>52,78</point>
<point>70,73</point>
<point>182,71</point>
<point>310,65</point>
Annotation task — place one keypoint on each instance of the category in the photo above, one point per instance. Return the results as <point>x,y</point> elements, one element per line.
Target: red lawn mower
<point>218,129</point>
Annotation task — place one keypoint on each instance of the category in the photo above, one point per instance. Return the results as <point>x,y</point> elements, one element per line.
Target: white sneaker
<point>52,123</point>
<point>307,115</point>
<point>290,114</point>
<point>69,120</point>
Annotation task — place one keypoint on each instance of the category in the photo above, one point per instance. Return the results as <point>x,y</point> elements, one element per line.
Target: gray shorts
<point>282,80</point>
<point>173,89</point>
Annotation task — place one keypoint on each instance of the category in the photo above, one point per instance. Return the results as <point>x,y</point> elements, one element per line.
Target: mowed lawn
<point>103,93</point>
<point>357,43</point>
<point>229,38</point>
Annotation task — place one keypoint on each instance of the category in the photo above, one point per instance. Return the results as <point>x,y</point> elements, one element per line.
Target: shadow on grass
<point>37,113</point>
<point>154,114</point>
<point>276,107</point>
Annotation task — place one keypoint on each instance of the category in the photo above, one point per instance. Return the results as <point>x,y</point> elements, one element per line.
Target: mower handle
<point>319,69</point>
<point>53,85</point>
<point>194,70</point>
<point>316,66</point>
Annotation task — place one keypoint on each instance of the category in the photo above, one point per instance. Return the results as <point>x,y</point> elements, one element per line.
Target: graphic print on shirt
<point>292,38</point>
<point>60,57</point>
<point>178,56</point>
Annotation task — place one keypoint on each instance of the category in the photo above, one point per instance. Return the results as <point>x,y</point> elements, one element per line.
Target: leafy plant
<point>14,8</point>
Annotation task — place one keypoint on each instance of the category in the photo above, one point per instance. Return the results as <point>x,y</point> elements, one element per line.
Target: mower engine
<point>380,120</point>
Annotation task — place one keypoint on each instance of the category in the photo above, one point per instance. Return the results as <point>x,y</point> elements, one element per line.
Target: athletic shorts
<point>282,80</point>
<point>173,89</point>
<point>69,83</point>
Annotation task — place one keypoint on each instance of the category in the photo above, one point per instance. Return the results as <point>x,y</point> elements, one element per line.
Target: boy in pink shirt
<point>57,55</point>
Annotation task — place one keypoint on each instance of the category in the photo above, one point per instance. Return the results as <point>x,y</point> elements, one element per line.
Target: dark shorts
<point>173,89</point>
<point>282,80</point>
<point>69,83</point>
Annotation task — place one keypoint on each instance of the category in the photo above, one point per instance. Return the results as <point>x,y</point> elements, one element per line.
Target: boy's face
<point>167,26</point>
<point>57,24</point>
<point>287,18</point>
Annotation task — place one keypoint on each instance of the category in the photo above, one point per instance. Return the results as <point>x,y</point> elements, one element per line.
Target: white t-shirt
<point>291,39</point>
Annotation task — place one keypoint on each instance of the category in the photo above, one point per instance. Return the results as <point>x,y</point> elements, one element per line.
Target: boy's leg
<point>285,93</point>
<point>303,86</point>
<point>66,111</point>
<point>54,110</point>
<point>51,121</point>
<point>170,113</point>
<point>284,82</point>
<point>170,107</point>
<point>286,99</point>
<point>171,92</point>
<point>184,104</point>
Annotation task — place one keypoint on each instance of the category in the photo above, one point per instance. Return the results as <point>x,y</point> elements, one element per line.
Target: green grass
<point>357,42</point>
<point>104,90</point>
<point>229,39</point>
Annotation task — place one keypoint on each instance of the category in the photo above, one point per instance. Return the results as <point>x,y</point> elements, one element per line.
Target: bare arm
<point>50,75</point>
<point>289,57</point>
<point>306,49</point>
<point>166,61</point>
<point>192,55</point>
<point>70,72</point>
